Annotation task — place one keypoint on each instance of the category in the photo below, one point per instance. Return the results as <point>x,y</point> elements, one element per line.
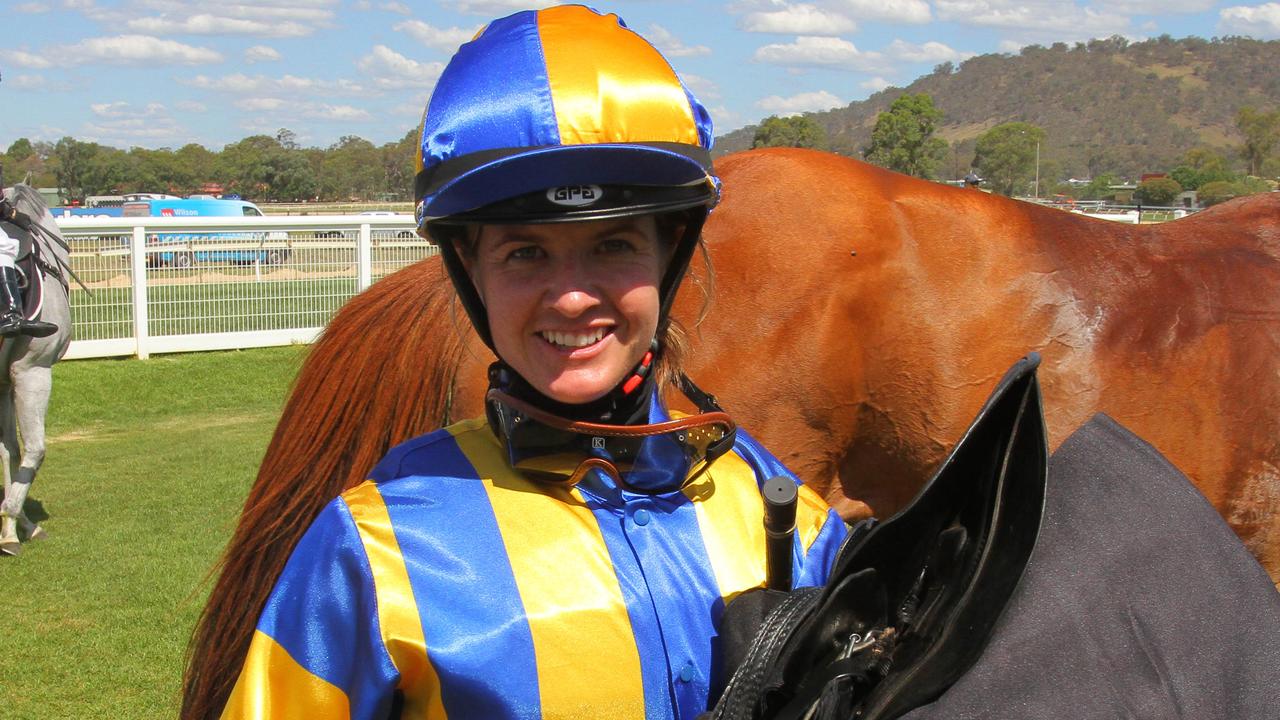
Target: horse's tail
<point>367,384</point>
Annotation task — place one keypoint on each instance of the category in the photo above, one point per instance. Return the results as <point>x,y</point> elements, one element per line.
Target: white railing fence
<point>158,285</point>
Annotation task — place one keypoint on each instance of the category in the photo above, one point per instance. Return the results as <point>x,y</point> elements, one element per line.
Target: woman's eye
<point>528,252</point>
<point>613,245</point>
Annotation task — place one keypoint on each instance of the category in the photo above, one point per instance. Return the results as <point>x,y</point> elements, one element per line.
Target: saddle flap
<point>911,603</point>
<point>951,559</point>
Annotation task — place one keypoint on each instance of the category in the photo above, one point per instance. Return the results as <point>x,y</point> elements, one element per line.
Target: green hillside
<point>1106,105</point>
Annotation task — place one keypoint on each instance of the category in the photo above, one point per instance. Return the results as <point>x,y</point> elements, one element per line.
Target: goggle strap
<point>705,401</point>
<point>621,431</point>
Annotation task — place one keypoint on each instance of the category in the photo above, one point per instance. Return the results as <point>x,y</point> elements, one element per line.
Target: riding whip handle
<point>779,528</point>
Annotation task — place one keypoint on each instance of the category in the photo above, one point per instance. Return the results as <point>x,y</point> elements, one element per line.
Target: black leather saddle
<point>912,601</point>
<point>30,277</point>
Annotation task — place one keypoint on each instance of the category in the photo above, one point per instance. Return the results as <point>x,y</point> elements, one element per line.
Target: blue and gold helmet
<point>563,100</point>
<point>560,115</point>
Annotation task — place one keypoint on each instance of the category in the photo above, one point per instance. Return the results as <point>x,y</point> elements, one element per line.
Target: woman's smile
<point>571,341</point>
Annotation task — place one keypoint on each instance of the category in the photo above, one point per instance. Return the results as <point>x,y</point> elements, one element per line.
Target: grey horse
<point>27,379</point>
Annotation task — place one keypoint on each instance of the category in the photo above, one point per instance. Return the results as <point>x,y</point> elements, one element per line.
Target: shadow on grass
<point>35,510</point>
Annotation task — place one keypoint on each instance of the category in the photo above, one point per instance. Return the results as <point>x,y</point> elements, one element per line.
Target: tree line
<point>261,168</point>
<point>1008,157</point>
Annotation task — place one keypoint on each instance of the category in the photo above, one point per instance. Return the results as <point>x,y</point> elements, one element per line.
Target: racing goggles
<point>637,458</point>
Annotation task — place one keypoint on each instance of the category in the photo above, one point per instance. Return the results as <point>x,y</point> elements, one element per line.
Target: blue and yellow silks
<point>561,96</point>
<point>455,587</point>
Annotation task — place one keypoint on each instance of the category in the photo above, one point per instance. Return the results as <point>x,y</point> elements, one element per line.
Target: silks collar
<point>651,453</point>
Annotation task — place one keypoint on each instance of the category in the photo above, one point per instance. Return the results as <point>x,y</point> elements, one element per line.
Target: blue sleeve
<point>318,641</point>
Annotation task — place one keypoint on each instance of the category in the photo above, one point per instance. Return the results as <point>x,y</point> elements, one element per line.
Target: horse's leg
<point>32,386</point>
<point>9,542</point>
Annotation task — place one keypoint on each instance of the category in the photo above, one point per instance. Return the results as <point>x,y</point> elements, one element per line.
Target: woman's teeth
<point>573,340</point>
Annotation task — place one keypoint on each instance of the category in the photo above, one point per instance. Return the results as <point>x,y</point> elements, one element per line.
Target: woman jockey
<point>570,553</point>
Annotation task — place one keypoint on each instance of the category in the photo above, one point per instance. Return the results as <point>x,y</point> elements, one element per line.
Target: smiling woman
<point>574,307</point>
<point>493,568</point>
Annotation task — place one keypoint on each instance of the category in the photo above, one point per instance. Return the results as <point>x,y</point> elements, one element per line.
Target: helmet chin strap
<point>627,403</point>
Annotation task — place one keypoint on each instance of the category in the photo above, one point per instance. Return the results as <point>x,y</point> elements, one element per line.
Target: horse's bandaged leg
<point>15,496</point>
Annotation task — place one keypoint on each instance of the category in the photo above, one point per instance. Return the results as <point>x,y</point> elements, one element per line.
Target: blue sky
<point>163,73</point>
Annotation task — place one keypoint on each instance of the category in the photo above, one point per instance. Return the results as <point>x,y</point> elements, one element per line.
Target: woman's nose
<point>572,291</point>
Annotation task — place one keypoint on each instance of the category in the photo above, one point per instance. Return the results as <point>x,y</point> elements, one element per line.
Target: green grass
<point>148,463</point>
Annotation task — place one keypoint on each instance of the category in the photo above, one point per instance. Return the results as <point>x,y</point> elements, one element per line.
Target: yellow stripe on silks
<point>608,85</point>
<point>273,685</point>
<point>582,639</point>
<point>811,515</point>
<point>398,616</point>
<point>731,517</point>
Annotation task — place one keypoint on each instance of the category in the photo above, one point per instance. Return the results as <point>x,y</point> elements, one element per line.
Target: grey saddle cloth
<point>1138,602</point>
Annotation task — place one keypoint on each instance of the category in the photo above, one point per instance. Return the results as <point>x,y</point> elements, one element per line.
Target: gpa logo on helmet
<point>575,195</point>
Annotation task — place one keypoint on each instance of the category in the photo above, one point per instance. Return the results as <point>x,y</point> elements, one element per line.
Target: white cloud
<point>875,84</point>
<point>204,24</point>
<point>31,8</point>
<point>914,12</point>
<point>131,50</point>
<point>191,106</point>
<point>672,46</point>
<point>495,8</point>
<point>27,82</point>
<point>22,58</point>
<point>1261,21</point>
<point>411,108</point>
<point>292,85</point>
<point>132,132</point>
<point>802,102</point>
<point>444,39</point>
<point>343,113</point>
<point>1159,7</point>
<point>1012,46</point>
<point>121,109</point>
<point>314,12</point>
<point>702,88</point>
<point>278,112</point>
<point>261,53</point>
<point>392,71</point>
<point>821,51</point>
<point>396,7</point>
<point>725,119</point>
<point>1060,21</point>
<point>798,20</point>
<point>123,124</point>
<point>259,104</point>
<point>932,52</point>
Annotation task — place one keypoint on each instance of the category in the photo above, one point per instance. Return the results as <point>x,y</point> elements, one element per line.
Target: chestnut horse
<point>859,319</point>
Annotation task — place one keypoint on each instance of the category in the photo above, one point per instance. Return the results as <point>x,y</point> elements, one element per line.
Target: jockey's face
<point>572,307</point>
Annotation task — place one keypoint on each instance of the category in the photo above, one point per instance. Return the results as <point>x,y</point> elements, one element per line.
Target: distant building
<point>52,196</point>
